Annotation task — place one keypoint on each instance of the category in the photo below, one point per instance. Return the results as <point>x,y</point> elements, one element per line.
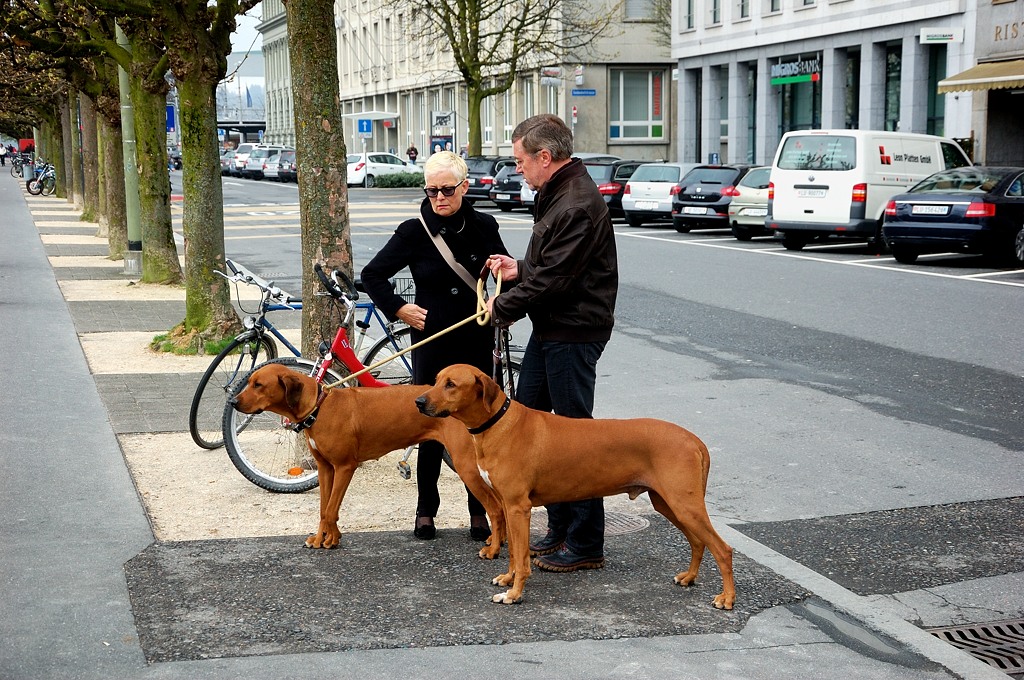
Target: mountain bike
<point>264,447</point>
<point>255,345</point>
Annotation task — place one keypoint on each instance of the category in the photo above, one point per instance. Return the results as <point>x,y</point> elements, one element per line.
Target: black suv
<point>505,190</point>
<point>702,201</point>
<point>611,178</point>
<point>482,170</point>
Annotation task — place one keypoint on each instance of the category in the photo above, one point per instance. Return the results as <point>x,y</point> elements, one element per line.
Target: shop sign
<point>930,36</point>
<point>800,71</point>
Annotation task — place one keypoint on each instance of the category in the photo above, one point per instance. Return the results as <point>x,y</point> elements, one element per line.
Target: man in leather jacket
<point>567,284</point>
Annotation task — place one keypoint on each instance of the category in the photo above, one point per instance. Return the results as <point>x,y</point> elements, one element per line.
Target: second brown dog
<point>532,458</point>
<point>357,424</point>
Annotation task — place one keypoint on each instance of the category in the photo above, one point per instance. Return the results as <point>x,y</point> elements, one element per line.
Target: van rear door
<point>814,176</point>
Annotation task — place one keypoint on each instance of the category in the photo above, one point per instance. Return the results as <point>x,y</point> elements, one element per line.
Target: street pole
<point>133,208</point>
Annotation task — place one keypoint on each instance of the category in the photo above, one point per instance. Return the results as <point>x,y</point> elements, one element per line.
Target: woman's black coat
<point>439,290</point>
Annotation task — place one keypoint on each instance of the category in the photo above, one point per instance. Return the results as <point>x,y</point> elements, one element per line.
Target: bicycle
<point>18,161</point>
<point>256,345</point>
<point>264,447</point>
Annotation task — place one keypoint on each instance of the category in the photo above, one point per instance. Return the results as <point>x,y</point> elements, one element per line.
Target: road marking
<point>857,263</point>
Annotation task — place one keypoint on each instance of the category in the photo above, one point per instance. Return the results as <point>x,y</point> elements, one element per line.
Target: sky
<point>246,31</point>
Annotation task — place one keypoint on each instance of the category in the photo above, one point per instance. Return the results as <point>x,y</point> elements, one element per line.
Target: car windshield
<point>656,173</point>
<point>244,148</point>
<point>353,158</point>
<point>710,176</point>
<point>599,173</point>
<point>756,178</point>
<point>818,152</point>
<point>974,181</point>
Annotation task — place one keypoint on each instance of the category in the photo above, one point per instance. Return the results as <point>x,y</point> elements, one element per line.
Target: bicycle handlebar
<point>240,273</point>
<point>332,285</point>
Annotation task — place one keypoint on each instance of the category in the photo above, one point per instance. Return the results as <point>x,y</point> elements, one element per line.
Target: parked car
<point>648,194</point>
<point>702,198</point>
<point>241,156</point>
<point>829,183</point>
<point>482,170</point>
<point>174,157</point>
<point>611,178</point>
<point>749,204</point>
<point>258,158</point>
<point>364,167</point>
<point>973,210</point>
<point>227,161</point>
<point>271,166</point>
<point>287,169</point>
<point>505,190</point>
<point>526,193</point>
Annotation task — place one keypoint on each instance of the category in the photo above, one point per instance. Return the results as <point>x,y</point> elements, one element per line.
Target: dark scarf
<point>465,215</point>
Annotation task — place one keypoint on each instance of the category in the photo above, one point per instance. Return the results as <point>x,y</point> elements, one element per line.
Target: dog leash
<point>482,317</point>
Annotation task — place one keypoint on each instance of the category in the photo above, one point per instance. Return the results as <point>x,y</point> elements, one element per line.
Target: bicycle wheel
<point>267,452</point>
<point>206,415</point>
<point>397,371</point>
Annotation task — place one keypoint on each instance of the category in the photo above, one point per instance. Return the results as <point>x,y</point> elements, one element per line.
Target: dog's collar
<point>493,419</point>
<point>308,421</point>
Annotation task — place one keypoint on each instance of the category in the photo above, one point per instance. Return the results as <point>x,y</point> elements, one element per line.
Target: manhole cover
<point>615,523</point>
<point>999,644</point>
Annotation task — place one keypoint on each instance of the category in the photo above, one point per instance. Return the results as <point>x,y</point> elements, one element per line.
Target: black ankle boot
<point>479,530</point>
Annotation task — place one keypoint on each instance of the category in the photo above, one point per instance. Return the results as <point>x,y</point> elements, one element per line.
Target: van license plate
<point>646,205</point>
<point>811,193</point>
<point>502,197</point>
<point>756,212</point>
<point>691,210</point>
<point>929,210</point>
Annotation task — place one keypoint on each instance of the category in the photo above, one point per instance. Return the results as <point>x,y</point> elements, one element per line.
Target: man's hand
<point>503,266</point>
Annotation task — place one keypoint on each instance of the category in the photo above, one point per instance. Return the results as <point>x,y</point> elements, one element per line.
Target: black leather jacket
<point>569,279</point>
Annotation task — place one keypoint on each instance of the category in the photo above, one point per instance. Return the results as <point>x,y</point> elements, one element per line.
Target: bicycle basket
<point>405,287</point>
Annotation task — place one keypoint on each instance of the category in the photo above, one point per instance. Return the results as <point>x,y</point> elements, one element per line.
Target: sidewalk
<point>88,591</point>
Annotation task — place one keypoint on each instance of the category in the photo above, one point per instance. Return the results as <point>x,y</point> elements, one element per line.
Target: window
<point>774,6</point>
<point>893,72</point>
<point>688,17</point>
<point>637,105</point>
<point>639,9</point>
<point>487,119</point>
<point>526,95</point>
<point>936,101</point>
<point>716,12</point>
<point>551,99</point>
<point>744,8</point>
<point>508,114</point>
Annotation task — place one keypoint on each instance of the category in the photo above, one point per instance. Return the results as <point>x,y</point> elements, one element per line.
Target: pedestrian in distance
<point>567,284</point>
<point>3,155</point>
<point>413,153</point>
<point>443,298</point>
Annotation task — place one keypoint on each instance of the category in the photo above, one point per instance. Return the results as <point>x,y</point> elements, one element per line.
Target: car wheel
<point>1018,247</point>
<point>634,220</point>
<point>680,226</point>
<point>794,242</point>
<point>369,181</point>
<point>741,233</point>
<point>904,254</point>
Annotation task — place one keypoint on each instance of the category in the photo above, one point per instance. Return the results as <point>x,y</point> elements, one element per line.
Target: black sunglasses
<point>433,191</point>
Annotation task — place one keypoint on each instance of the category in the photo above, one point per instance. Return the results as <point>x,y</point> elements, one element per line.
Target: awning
<point>370,115</point>
<point>995,75</point>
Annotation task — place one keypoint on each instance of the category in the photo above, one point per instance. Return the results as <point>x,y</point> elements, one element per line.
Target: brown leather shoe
<point>564,560</point>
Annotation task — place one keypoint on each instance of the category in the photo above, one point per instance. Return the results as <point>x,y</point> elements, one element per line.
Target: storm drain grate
<point>999,644</point>
<point>615,523</point>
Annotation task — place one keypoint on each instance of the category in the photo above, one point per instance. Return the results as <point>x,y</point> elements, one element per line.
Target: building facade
<point>396,91</point>
<point>751,70</point>
<point>996,81</point>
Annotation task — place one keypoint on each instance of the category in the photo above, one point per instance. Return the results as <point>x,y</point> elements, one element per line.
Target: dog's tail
<point>705,463</point>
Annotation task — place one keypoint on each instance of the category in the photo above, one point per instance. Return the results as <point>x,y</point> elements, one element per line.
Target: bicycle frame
<point>342,350</point>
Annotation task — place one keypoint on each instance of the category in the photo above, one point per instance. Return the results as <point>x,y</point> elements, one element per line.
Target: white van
<point>837,182</point>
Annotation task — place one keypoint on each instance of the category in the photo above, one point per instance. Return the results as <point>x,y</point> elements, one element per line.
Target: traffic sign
<point>584,93</point>
<point>365,125</point>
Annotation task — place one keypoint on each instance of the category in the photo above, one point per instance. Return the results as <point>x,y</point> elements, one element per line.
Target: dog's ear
<point>292,387</point>
<point>489,389</point>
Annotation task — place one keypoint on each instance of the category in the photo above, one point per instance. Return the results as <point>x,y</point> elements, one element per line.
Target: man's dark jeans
<point>561,377</point>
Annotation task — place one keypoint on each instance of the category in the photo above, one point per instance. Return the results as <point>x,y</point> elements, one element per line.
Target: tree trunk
<point>64,162</point>
<point>320,151</point>
<point>90,159</point>
<point>475,140</point>
<point>159,256</point>
<point>208,307</point>
<point>76,186</point>
<point>113,176</point>
<point>102,230</point>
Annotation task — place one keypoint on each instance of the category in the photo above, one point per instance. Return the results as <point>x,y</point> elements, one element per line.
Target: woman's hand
<point>413,315</point>
<point>504,266</point>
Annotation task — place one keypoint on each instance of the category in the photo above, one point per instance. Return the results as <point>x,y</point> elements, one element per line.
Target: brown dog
<point>357,424</point>
<point>531,458</point>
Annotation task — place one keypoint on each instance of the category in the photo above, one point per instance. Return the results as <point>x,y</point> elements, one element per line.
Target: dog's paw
<point>724,601</point>
<point>489,552</point>
<point>504,598</point>
<point>503,580</point>
<point>685,579</point>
